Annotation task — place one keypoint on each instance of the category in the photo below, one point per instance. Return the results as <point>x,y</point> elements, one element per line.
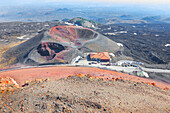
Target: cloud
<point>116,1</point>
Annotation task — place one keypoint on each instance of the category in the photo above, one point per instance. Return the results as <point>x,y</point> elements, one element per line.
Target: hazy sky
<point>105,1</point>
<point>119,1</point>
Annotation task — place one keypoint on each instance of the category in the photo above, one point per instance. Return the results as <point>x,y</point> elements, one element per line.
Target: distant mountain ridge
<point>83,22</point>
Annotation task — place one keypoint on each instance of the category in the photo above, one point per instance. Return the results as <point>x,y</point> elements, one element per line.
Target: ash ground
<point>143,42</point>
<point>9,31</point>
<point>83,94</point>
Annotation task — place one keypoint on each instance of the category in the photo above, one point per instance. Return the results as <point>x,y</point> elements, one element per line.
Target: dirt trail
<point>56,72</point>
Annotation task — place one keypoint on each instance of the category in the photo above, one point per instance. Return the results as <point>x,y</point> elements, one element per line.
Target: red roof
<point>101,56</point>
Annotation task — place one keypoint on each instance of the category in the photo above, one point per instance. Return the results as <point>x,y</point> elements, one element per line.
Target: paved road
<point>156,70</point>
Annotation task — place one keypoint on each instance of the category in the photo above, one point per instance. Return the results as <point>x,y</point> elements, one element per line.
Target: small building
<point>102,56</point>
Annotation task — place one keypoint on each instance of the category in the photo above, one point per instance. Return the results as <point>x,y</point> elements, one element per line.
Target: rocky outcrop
<point>7,84</point>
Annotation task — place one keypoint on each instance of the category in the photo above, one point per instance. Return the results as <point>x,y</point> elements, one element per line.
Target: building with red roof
<point>102,56</point>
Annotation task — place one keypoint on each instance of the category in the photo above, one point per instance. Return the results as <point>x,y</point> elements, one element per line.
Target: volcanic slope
<point>60,44</point>
<point>83,94</point>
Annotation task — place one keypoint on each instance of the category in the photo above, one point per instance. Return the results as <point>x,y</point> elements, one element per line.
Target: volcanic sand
<point>58,72</point>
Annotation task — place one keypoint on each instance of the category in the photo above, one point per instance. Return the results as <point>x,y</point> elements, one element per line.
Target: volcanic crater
<point>60,44</point>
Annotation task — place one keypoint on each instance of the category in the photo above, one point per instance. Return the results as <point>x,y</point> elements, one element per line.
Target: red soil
<point>64,33</point>
<point>54,73</point>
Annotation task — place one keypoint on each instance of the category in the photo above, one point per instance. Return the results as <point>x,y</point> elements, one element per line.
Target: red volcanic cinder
<point>57,72</point>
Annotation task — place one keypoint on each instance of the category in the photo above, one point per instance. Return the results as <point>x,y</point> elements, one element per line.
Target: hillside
<point>83,22</point>
<point>84,94</point>
<point>142,42</point>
